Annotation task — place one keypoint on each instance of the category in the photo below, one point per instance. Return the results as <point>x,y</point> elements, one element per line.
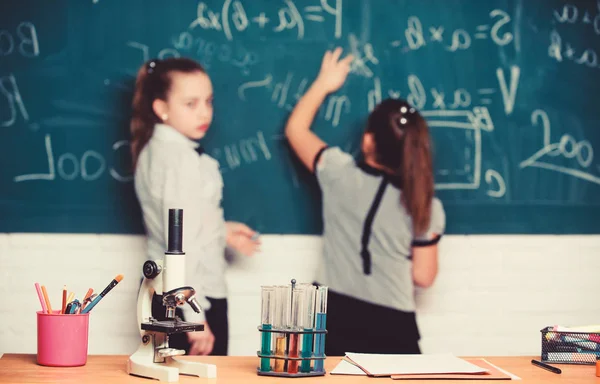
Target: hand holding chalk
<point>242,238</point>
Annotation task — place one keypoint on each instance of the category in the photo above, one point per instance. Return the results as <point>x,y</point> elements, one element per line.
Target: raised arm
<point>332,75</point>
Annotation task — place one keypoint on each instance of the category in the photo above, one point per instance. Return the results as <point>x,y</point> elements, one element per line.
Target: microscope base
<point>152,370</point>
<point>187,367</point>
<point>142,363</point>
<point>170,370</point>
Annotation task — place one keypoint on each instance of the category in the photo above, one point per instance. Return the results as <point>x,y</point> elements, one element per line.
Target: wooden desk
<point>233,369</point>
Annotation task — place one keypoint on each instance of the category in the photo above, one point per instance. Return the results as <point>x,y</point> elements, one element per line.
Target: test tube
<point>282,308</point>
<point>320,324</point>
<point>268,313</point>
<point>307,325</point>
<point>295,325</point>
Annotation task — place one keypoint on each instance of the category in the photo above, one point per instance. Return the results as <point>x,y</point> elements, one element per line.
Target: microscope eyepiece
<point>174,242</point>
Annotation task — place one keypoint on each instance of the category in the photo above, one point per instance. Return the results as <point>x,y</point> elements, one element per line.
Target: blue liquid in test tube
<point>268,312</point>
<point>320,324</point>
<point>308,324</point>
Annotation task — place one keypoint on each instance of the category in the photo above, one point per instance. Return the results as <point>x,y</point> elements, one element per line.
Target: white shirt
<point>171,174</point>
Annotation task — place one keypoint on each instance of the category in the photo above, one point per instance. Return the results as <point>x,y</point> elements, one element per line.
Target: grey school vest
<point>367,233</point>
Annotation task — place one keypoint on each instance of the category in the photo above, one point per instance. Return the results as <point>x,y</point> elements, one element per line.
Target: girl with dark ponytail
<point>381,220</point>
<point>172,110</point>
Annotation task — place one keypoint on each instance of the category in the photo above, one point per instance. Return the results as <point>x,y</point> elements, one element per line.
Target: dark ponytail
<point>403,145</point>
<point>153,82</point>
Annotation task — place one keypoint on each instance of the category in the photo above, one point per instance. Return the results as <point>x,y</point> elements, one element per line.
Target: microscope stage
<point>172,326</point>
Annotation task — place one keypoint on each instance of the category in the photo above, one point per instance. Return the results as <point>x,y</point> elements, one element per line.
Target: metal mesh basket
<point>569,347</point>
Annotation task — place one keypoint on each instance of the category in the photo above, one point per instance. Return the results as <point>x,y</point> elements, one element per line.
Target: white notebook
<point>387,365</point>
<point>347,368</point>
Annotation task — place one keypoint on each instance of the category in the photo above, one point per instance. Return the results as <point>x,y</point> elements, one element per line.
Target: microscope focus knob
<point>151,269</point>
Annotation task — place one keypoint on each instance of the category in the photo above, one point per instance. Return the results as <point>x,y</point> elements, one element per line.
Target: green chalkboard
<point>509,87</point>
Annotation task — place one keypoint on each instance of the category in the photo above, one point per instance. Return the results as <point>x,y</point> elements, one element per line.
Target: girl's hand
<point>201,343</point>
<point>241,238</point>
<point>333,70</point>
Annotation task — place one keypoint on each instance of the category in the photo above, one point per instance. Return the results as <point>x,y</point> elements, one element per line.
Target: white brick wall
<point>492,296</point>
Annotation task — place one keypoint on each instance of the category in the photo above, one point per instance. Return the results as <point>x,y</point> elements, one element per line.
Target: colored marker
<point>562,357</point>
<point>41,297</point>
<point>75,305</point>
<point>110,286</point>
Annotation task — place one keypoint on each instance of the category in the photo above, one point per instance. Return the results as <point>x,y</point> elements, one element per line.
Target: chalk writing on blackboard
<point>23,40</point>
<point>567,147</point>
<point>90,166</point>
<point>416,36</point>
<point>569,17</point>
<point>232,18</point>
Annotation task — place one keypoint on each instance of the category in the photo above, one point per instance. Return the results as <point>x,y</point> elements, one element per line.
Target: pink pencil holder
<point>62,340</point>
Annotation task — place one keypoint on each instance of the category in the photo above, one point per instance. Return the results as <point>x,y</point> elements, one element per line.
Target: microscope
<point>154,358</point>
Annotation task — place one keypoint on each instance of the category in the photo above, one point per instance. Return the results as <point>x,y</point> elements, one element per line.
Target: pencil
<point>46,299</point>
<point>64,299</point>
<point>41,297</point>
<point>70,298</point>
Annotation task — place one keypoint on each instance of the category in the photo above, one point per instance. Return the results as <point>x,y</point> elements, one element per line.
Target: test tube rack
<point>287,359</point>
<point>293,330</point>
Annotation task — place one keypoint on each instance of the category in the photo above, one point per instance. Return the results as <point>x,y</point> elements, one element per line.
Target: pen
<point>546,366</point>
<point>110,286</point>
